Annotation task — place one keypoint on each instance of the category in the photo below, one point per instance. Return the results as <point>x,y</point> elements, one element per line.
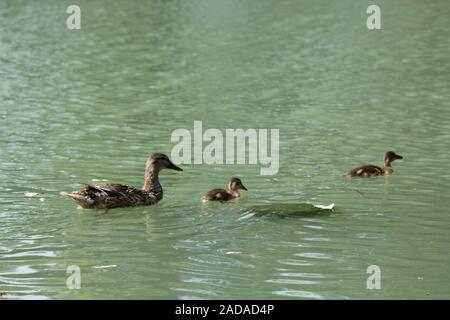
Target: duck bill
<point>174,167</point>
<point>243,188</point>
<point>398,157</point>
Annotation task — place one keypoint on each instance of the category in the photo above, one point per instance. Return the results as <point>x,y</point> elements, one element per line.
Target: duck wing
<point>113,195</point>
<point>109,189</point>
<point>366,171</point>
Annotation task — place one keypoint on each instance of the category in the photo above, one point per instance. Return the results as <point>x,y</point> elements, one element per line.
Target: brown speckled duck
<point>370,170</point>
<point>224,195</point>
<point>113,195</point>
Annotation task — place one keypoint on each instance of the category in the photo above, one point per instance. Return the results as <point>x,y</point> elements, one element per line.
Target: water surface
<point>77,105</point>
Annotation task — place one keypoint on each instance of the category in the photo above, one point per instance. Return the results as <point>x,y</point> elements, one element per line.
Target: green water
<point>77,105</point>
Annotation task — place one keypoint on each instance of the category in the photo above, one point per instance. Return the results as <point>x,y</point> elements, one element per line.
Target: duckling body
<point>371,170</point>
<point>232,192</point>
<point>220,195</point>
<point>366,171</point>
<point>114,195</point>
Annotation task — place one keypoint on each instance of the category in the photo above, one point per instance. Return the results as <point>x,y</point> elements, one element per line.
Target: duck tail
<point>82,200</point>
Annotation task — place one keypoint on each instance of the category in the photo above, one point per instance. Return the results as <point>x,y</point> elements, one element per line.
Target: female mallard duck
<point>224,195</point>
<point>370,170</point>
<point>112,195</point>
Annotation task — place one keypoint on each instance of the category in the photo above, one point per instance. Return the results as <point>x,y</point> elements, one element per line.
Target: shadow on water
<point>285,210</point>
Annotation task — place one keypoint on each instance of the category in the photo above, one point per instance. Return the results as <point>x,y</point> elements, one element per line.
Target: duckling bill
<point>371,170</point>
<point>113,195</point>
<point>232,192</point>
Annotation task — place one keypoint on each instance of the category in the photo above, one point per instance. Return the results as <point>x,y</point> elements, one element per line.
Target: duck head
<point>391,156</point>
<point>236,184</point>
<point>159,161</point>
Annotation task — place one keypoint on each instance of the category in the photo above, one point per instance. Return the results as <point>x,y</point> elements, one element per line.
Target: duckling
<point>113,195</point>
<point>370,170</point>
<point>234,186</point>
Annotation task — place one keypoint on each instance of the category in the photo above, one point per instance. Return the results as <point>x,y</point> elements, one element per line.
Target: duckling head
<point>236,184</point>
<point>391,156</point>
<point>159,161</point>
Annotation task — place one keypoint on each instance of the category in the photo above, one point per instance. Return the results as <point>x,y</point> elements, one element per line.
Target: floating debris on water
<point>31,194</point>
<point>105,266</point>
<point>328,207</point>
<point>34,194</point>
